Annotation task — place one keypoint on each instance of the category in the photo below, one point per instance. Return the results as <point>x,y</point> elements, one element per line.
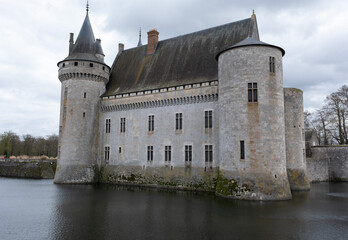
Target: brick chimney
<point>152,40</point>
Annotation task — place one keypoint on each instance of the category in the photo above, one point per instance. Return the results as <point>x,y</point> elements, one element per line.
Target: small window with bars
<point>167,153</point>
<point>123,125</point>
<point>107,153</point>
<point>208,153</point>
<point>178,121</point>
<point>151,123</point>
<point>149,153</point>
<point>107,125</point>
<point>208,116</point>
<point>188,153</point>
<point>252,92</point>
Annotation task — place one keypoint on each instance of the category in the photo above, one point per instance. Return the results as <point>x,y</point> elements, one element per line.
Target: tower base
<point>76,174</point>
<point>298,180</point>
<point>253,186</point>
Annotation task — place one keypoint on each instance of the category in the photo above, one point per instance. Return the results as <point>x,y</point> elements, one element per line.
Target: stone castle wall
<point>328,163</point>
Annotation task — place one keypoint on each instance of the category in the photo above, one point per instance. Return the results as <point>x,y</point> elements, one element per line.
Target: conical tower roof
<point>86,46</point>
<point>85,40</point>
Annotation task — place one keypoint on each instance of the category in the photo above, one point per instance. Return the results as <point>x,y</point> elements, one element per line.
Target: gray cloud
<point>35,37</point>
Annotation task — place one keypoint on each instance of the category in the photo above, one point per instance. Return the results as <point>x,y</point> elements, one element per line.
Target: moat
<point>39,209</point>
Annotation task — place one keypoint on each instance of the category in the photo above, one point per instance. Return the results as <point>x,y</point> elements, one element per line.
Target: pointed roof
<point>86,46</point>
<point>85,40</point>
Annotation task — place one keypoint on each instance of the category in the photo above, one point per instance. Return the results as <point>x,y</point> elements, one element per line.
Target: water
<point>39,209</point>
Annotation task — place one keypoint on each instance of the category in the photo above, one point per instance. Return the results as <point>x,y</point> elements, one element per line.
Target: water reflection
<point>109,212</point>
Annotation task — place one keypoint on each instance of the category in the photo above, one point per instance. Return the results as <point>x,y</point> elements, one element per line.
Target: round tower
<point>251,122</point>
<point>294,139</point>
<point>83,75</point>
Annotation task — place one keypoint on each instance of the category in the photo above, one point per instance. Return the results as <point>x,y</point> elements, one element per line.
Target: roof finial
<point>139,43</point>
<point>87,7</point>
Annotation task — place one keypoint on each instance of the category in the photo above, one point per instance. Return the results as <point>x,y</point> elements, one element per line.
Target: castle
<point>204,111</point>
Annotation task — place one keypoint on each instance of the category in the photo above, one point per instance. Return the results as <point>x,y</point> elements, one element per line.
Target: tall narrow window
<point>64,112</point>
<point>208,153</point>
<point>84,95</point>
<point>123,125</point>
<point>149,153</point>
<point>107,125</point>
<point>167,153</point>
<point>242,150</point>
<point>271,65</point>
<point>208,119</point>
<point>151,123</point>
<point>252,92</point>
<point>188,153</point>
<point>107,153</point>
<point>83,114</point>
<point>178,121</point>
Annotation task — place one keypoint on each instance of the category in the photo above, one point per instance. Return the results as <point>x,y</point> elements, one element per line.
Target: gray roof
<point>186,59</point>
<point>249,41</point>
<point>86,46</point>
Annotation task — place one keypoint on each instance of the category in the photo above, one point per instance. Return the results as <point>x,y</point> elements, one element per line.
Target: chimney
<point>71,42</point>
<point>152,40</point>
<point>120,48</point>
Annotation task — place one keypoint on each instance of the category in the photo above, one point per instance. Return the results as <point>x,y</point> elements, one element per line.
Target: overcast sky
<point>35,35</point>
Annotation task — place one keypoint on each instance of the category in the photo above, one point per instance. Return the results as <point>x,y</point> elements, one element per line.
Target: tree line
<point>13,145</point>
<point>330,121</point>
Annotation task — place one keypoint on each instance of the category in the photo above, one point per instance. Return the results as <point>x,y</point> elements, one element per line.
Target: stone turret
<point>83,75</point>
<point>295,142</point>
<point>251,135</point>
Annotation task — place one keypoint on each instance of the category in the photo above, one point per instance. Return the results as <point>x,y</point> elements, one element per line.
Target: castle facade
<point>204,111</point>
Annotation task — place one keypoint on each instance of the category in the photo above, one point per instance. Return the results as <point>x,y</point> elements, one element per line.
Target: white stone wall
<point>163,104</point>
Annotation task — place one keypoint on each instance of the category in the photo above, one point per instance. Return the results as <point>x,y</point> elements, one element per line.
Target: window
<point>167,153</point>
<point>271,65</point>
<point>84,95</point>
<point>107,153</point>
<point>91,64</point>
<point>103,68</point>
<point>123,125</point>
<point>208,119</point>
<point>108,125</point>
<point>242,150</point>
<point>188,153</point>
<point>208,153</point>
<point>119,150</point>
<point>151,123</point>
<point>64,112</point>
<point>150,153</point>
<point>63,64</point>
<point>178,121</point>
<point>252,92</point>
<point>76,63</point>
<point>83,114</point>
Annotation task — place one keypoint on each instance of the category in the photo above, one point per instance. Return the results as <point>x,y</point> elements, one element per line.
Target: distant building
<point>202,111</point>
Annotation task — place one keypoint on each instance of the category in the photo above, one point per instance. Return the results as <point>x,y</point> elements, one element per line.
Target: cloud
<point>35,37</point>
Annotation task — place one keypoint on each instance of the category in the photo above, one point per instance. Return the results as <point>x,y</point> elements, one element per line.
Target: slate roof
<point>249,41</point>
<point>185,59</point>
<point>86,46</point>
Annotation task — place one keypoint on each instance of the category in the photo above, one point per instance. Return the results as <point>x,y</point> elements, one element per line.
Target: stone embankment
<point>28,168</point>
